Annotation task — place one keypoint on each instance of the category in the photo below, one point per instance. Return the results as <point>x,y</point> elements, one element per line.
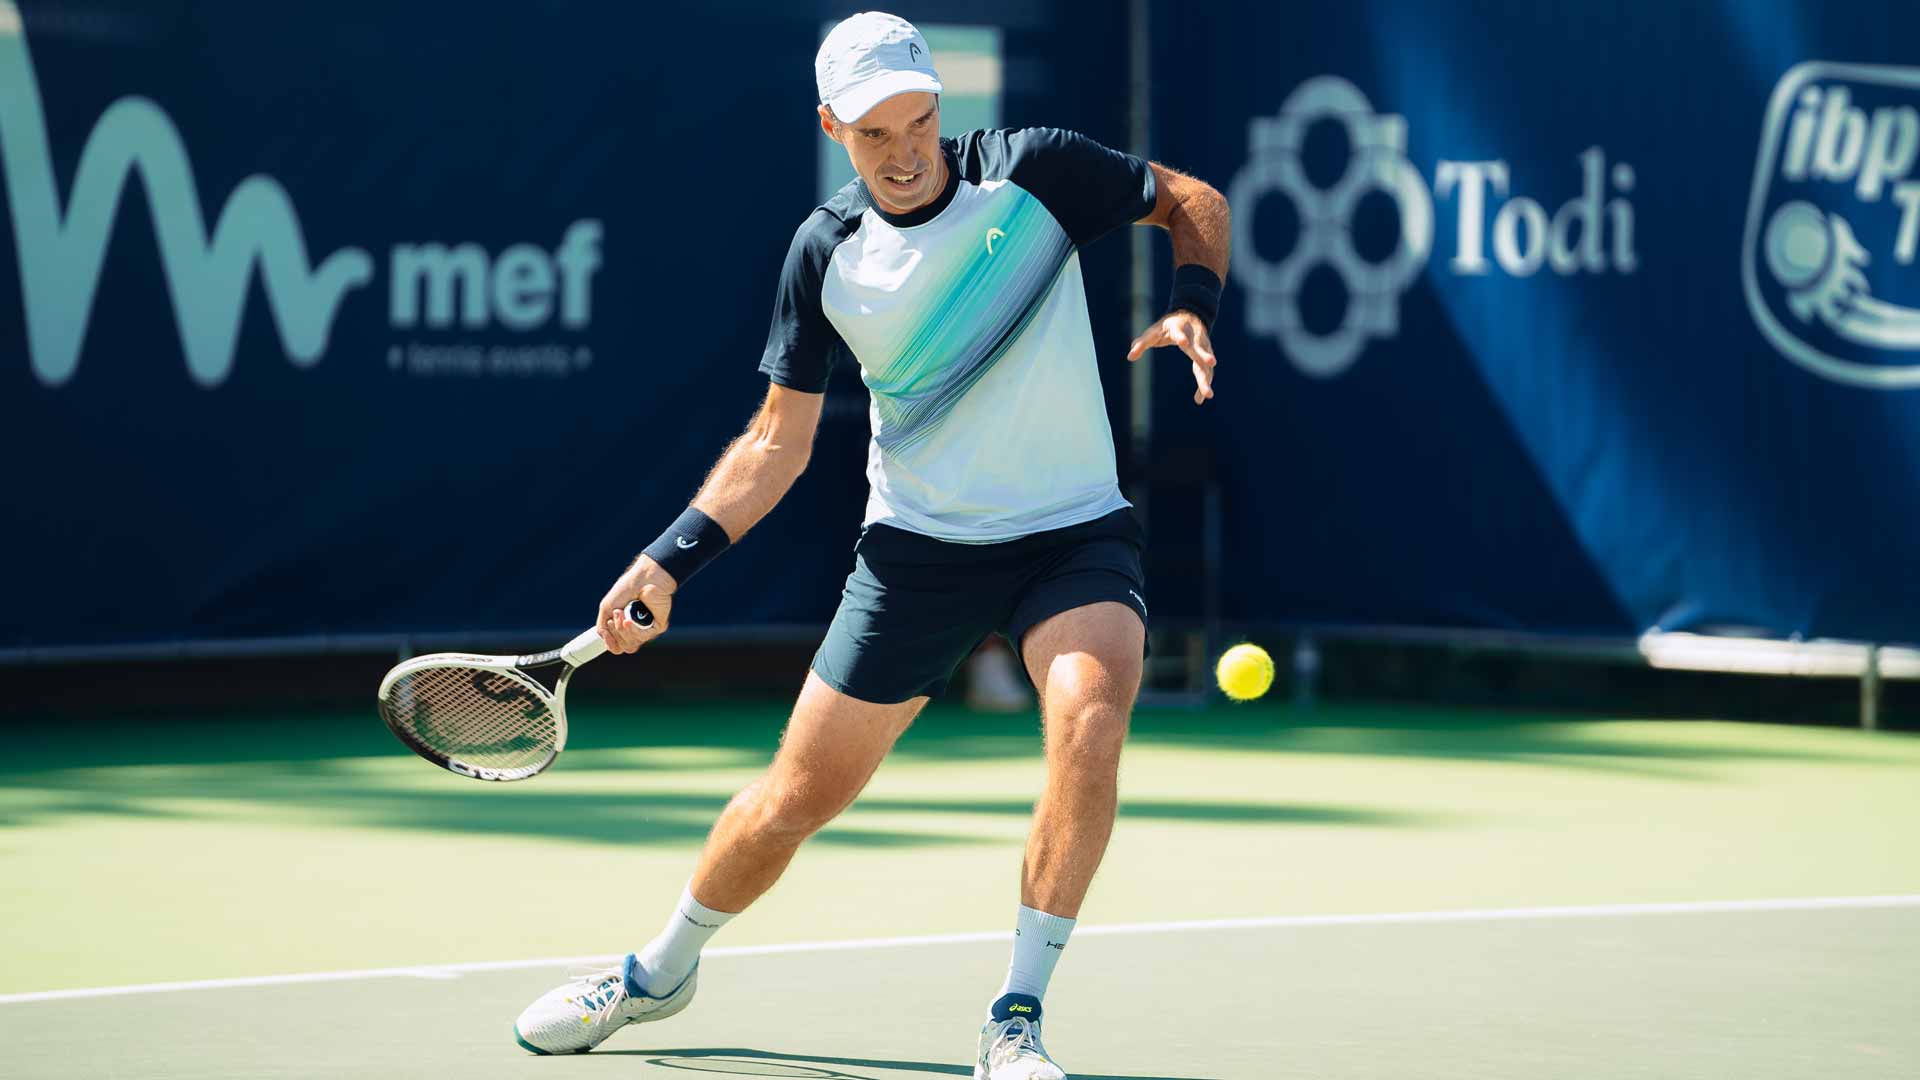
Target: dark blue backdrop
<point>1603,446</point>
<point>1700,420</point>
<point>383,488</point>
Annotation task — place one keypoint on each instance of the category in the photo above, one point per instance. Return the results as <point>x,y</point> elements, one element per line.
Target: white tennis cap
<point>869,58</point>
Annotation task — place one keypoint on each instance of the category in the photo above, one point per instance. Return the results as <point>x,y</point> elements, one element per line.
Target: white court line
<point>454,971</point>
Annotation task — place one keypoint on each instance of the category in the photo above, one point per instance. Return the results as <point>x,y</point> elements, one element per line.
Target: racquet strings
<point>479,716</point>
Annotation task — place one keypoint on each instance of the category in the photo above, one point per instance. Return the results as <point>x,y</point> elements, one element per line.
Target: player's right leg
<point>913,608</point>
<point>831,747</point>
<point>830,750</point>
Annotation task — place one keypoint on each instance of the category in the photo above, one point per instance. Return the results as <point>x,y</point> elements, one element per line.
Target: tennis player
<point>950,270</point>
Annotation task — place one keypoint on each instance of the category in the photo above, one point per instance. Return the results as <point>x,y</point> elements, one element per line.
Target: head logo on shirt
<point>992,235</point>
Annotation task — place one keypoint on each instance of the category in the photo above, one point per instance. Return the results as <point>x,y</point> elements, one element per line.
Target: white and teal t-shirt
<point>968,318</point>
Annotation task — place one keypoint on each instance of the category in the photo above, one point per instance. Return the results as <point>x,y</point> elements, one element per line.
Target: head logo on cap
<point>868,58</point>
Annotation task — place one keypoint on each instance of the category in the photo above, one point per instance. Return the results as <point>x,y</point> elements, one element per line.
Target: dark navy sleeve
<point>1089,189</point>
<point>801,342</point>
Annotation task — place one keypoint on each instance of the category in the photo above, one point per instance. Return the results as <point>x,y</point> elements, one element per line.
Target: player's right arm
<point>751,477</point>
<point>761,465</point>
<point>763,462</point>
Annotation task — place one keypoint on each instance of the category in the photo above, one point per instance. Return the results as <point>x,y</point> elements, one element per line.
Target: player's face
<point>895,148</point>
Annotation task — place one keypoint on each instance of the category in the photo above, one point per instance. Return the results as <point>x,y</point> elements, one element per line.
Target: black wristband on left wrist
<point>1196,289</point>
<point>690,543</point>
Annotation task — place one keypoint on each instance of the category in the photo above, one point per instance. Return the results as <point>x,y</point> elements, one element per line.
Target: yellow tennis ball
<point>1244,672</point>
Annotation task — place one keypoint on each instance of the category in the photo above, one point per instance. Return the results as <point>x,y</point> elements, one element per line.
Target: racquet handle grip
<point>588,645</point>
<point>638,612</point>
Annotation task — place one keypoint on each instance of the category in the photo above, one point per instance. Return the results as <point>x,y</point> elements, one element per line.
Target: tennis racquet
<point>488,717</point>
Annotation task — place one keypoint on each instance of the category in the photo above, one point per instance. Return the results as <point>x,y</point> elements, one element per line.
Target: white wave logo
<point>60,255</point>
<point>435,289</point>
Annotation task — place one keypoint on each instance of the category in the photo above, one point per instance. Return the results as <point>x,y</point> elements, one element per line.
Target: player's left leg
<point>1087,664</point>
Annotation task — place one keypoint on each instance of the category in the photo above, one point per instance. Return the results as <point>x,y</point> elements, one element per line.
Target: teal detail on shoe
<point>525,1045</point>
<point>630,971</point>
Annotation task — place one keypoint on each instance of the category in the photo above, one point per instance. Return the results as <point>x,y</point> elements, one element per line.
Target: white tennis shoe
<point>1010,1047</point>
<point>581,1013</point>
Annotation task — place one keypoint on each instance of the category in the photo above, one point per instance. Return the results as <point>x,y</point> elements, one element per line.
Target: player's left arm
<point>1200,225</point>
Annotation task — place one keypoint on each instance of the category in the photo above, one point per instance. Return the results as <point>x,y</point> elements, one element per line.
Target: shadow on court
<point>673,767</point>
<point>736,1061</point>
<point>1459,735</point>
<point>332,793</point>
<point>745,735</point>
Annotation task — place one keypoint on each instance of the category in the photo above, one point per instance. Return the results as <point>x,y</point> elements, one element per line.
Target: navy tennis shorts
<point>915,607</point>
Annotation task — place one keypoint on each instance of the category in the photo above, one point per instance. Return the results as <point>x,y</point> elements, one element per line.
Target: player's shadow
<point>741,1061</point>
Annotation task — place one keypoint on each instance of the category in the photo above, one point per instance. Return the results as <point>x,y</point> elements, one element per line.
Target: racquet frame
<point>583,648</point>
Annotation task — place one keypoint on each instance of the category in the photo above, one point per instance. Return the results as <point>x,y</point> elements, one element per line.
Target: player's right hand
<point>646,582</point>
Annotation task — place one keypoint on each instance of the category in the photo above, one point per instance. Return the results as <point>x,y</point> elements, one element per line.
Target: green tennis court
<point>1347,893</point>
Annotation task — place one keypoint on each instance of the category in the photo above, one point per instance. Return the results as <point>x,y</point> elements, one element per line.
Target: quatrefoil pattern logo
<point>1376,161</point>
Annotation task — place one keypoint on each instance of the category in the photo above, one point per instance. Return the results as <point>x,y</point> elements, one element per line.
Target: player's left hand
<point>1182,328</point>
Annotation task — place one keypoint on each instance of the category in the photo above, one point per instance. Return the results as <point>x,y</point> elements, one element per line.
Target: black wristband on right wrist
<point>691,542</point>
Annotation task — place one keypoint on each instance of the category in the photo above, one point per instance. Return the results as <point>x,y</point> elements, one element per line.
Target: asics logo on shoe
<point>1019,1008</point>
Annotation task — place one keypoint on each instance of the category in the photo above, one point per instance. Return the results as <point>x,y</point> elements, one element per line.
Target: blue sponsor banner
<point>1561,317</point>
<point>396,320</point>
<point>324,320</point>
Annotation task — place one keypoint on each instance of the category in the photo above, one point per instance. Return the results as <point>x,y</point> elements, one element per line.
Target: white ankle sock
<point>670,956</point>
<point>1039,939</point>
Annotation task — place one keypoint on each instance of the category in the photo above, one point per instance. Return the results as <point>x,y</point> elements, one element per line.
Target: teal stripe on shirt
<point>979,312</point>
